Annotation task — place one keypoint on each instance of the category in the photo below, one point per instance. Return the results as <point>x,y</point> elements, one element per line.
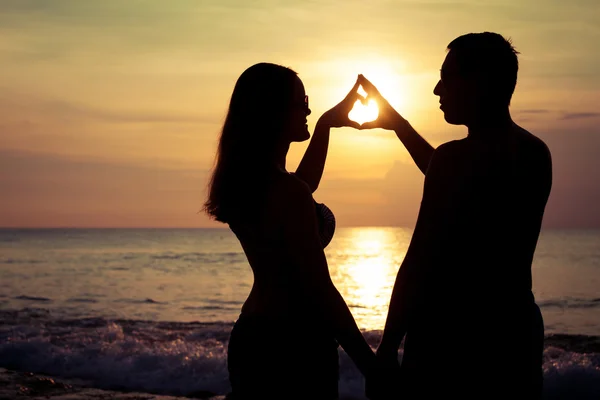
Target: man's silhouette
<point>463,296</point>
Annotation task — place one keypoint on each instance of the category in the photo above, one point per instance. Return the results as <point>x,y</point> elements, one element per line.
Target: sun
<point>364,113</point>
<point>388,75</point>
<point>329,81</point>
<point>389,80</point>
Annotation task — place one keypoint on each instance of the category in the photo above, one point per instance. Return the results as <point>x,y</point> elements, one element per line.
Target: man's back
<point>484,196</point>
<point>472,251</point>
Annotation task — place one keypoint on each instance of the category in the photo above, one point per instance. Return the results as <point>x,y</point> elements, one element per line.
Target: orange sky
<point>110,111</point>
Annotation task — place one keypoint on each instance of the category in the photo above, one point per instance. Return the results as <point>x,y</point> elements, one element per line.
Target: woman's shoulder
<point>288,196</point>
<point>289,187</point>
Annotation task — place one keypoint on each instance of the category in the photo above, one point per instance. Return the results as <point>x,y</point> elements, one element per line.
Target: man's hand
<point>388,117</point>
<point>337,117</point>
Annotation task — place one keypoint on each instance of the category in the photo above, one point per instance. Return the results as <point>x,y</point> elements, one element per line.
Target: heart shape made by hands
<point>364,113</point>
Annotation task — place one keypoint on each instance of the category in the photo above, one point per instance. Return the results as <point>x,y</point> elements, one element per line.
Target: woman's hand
<point>337,117</point>
<point>388,117</point>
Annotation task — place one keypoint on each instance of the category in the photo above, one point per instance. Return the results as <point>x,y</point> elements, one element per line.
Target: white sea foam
<point>181,358</point>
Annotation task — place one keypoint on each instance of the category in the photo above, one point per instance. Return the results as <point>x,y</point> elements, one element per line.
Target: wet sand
<point>27,385</point>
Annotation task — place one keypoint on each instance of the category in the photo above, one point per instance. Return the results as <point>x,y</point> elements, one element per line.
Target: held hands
<point>383,382</point>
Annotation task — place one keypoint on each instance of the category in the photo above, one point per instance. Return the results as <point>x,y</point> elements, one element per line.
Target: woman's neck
<point>281,155</point>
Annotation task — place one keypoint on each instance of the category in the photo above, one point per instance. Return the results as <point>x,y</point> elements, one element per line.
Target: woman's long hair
<point>253,130</point>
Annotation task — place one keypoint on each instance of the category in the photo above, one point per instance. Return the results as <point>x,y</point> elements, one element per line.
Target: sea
<point>150,310</point>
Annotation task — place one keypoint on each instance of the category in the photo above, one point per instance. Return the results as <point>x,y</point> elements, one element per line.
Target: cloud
<point>62,27</point>
<point>575,192</point>
<point>46,190</point>
<point>58,109</point>
<point>579,115</point>
<point>529,114</point>
<point>121,116</point>
<point>392,200</point>
<point>533,111</point>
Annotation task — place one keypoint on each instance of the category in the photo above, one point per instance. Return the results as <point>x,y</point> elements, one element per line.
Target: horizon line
<point>227,228</point>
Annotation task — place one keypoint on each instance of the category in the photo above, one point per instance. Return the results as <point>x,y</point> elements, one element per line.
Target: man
<point>463,295</point>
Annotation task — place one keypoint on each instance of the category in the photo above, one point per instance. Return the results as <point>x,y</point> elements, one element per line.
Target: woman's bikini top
<point>326,223</point>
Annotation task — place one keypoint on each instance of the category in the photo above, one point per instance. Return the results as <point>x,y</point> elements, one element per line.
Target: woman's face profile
<point>297,129</point>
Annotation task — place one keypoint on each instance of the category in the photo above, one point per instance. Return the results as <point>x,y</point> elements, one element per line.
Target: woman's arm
<point>312,164</point>
<point>312,274</point>
<point>311,167</point>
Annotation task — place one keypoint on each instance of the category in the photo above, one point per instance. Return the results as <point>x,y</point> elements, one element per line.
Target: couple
<point>462,301</point>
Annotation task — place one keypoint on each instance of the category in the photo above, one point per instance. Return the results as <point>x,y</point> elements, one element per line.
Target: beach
<point>142,314</point>
<point>566,378</point>
<point>19,384</point>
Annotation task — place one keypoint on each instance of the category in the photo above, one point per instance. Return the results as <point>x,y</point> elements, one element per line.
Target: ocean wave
<point>215,304</point>
<point>204,258</point>
<point>32,298</point>
<point>81,300</point>
<point>19,261</point>
<point>178,358</point>
<point>111,358</point>
<point>140,301</point>
<point>230,302</point>
<point>356,306</point>
<point>570,303</point>
<point>574,343</point>
<point>205,308</point>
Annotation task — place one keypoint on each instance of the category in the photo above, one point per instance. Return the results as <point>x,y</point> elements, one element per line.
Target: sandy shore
<point>19,385</point>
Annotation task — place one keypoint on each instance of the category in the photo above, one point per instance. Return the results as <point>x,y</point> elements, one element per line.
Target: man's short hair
<point>491,57</point>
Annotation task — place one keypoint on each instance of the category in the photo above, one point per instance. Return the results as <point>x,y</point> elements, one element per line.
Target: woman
<point>284,343</point>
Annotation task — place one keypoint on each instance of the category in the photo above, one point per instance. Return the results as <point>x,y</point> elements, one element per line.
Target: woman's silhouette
<point>284,344</point>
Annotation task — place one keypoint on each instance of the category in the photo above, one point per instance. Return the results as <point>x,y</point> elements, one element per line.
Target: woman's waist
<point>279,289</point>
<point>291,325</point>
<point>280,305</point>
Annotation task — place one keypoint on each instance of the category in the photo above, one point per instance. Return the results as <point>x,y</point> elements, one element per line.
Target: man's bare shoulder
<point>444,157</point>
<point>533,143</point>
<point>450,150</point>
<point>452,146</point>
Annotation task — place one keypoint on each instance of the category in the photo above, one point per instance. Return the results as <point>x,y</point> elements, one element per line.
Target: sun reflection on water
<point>363,264</point>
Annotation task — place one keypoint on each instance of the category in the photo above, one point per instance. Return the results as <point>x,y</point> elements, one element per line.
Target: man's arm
<point>418,148</point>
<point>396,323</point>
<point>410,280</point>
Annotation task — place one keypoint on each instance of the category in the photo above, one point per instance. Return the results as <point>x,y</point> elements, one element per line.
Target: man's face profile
<point>455,92</point>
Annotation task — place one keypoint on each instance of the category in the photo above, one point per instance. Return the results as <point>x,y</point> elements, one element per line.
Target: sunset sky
<point>110,110</point>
